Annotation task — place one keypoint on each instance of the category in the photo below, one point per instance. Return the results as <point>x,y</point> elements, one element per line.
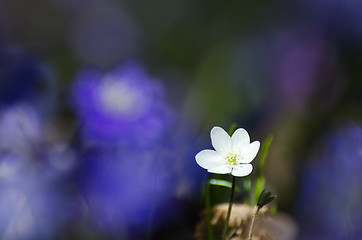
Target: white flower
<point>231,155</point>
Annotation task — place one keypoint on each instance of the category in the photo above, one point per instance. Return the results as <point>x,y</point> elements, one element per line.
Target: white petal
<point>208,159</point>
<point>222,169</point>
<point>242,170</point>
<point>220,140</point>
<point>240,138</point>
<point>250,152</point>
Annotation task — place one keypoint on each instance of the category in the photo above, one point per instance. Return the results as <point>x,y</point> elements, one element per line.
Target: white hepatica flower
<point>231,155</point>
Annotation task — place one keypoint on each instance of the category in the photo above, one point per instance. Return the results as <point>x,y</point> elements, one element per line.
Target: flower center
<point>233,158</point>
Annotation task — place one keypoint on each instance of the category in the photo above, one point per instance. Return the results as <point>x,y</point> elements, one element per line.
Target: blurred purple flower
<point>122,106</point>
<point>31,168</point>
<point>331,195</point>
<point>23,132</point>
<point>21,129</point>
<point>30,206</point>
<point>132,190</point>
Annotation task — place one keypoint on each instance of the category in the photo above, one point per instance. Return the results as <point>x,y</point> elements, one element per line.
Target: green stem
<point>229,209</point>
<point>210,234</point>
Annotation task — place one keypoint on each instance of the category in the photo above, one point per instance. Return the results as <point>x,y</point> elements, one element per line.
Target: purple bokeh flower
<point>133,190</point>
<point>331,195</point>
<point>24,132</point>
<point>31,207</point>
<point>122,106</point>
<point>21,129</point>
<point>33,173</point>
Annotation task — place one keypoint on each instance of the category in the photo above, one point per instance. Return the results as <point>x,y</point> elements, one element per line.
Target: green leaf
<point>264,151</point>
<point>232,128</point>
<point>222,183</point>
<point>258,188</point>
<point>260,180</point>
<point>268,200</point>
<point>265,198</point>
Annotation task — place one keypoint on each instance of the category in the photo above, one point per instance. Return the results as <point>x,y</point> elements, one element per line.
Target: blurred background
<point>105,103</point>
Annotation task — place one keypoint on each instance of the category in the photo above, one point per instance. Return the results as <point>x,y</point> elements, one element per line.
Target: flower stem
<point>252,222</point>
<point>210,234</point>
<point>229,209</point>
